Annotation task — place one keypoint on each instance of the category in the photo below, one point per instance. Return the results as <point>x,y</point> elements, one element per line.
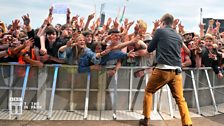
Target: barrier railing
<point>101,106</point>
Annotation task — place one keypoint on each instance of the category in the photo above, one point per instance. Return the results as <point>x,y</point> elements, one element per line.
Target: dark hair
<point>87,32</point>
<point>167,19</point>
<point>94,46</point>
<point>113,31</point>
<point>50,30</point>
<point>65,26</point>
<point>58,25</point>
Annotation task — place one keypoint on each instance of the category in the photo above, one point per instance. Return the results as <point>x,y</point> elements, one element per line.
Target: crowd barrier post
<point>130,89</point>
<point>71,105</point>
<point>11,78</point>
<point>53,91</point>
<point>211,91</point>
<point>87,96</point>
<point>114,101</point>
<point>195,92</point>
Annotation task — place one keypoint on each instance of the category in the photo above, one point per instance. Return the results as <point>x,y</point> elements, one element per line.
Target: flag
<point>122,16</point>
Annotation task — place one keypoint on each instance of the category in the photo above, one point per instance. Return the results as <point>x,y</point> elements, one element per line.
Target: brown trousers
<point>156,81</point>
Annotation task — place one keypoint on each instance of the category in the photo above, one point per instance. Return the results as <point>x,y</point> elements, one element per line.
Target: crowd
<point>93,44</point>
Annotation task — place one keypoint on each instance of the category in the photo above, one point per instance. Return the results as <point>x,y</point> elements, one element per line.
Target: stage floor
<point>101,118</point>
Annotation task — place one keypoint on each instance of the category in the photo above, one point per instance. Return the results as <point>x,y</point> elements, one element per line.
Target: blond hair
<point>142,25</point>
<point>77,51</point>
<point>209,37</point>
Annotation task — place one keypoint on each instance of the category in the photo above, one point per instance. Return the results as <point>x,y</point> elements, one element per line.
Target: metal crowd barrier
<point>157,96</point>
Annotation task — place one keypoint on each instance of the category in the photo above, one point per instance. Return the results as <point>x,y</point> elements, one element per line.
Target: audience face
<point>88,38</point>
<point>16,33</point>
<point>15,42</point>
<point>209,43</point>
<point>141,31</point>
<point>81,42</point>
<point>202,43</point>
<point>196,39</point>
<point>7,39</point>
<point>115,37</point>
<point>58,27</point>
<point>70,31</point>
<point>52,37</point>
<point>191,45</point>
<point>65,33</point>
<point>188,37</point>
<point>98,48</point>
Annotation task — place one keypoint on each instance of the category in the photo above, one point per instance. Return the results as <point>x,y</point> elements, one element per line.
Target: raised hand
<point>91,16</point>
<point>126,22</point>
<point>109,20</point>
<point>15,24</point>
<point>98,22</point>
<point>180,26</point>
<point>156,23</point>
<point>211,22</point>
<point>130,23</point>
<point>217,23</point>
<point>116,24</point>
<point>29,42</point>
<point>122,28</point>
<point>175,22</point>
<point>68,16</point>
<point>69,43</point>
<point>81,22</point>
<point>201,26</point>
<point>48,20</point>
<point>136,38</point>
<point>92,27</point>
<point>75,18</point>
<point>51,11</point>
<point>136,27</point>
<point>26,20</point>
<point>68,12</point>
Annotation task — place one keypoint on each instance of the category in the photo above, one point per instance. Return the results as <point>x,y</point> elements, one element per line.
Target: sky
<point>188,11</point>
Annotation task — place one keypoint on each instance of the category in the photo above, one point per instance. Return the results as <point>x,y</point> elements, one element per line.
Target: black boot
<point>144,122</point>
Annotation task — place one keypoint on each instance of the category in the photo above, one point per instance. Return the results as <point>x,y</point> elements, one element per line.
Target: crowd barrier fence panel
<point>60,87</point>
